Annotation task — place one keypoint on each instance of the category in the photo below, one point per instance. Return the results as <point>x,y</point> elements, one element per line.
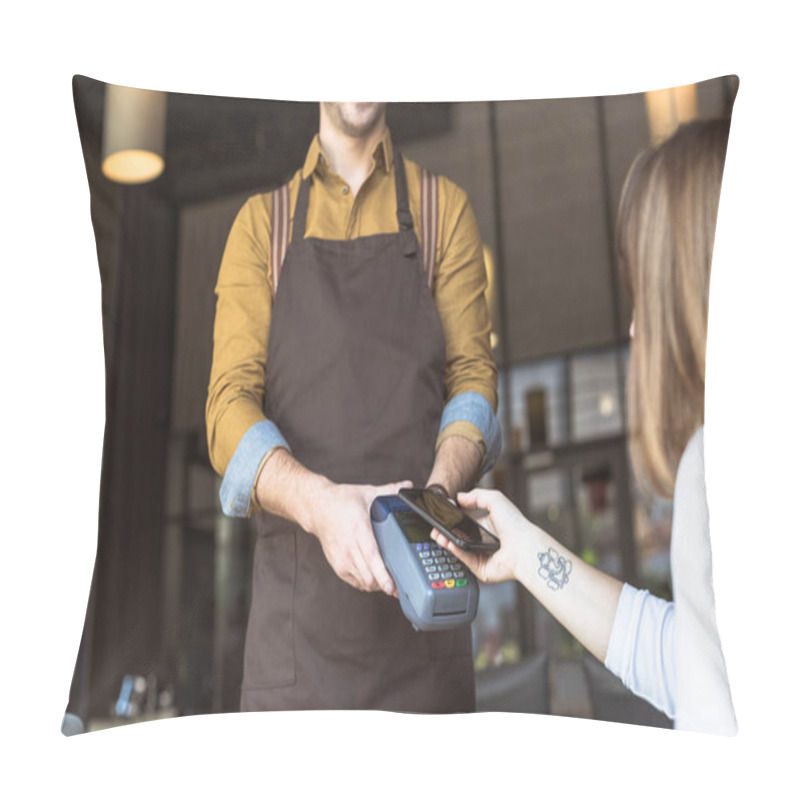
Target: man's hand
<point>341,522</point>
<point>336,513</point>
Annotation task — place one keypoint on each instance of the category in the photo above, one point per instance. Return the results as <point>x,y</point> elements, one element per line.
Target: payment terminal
<point>436,590</point>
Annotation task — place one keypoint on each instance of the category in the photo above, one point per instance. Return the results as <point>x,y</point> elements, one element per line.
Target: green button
<point>461,582</point>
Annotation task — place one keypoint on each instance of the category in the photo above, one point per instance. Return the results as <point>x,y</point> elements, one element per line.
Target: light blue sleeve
<point>237,484</point>
<point>641,647</point>
<point>475,408</point>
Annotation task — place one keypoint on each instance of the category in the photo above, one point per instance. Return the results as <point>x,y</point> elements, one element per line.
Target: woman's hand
<point>583,599</point>
<point>506,522</point>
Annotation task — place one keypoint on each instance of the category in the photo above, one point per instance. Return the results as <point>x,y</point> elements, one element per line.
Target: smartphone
<point>450,520</point>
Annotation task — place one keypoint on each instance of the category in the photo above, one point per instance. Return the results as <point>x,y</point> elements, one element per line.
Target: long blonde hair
<point>665,236</point>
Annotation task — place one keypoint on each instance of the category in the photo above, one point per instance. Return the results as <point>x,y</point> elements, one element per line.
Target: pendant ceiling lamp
<point>669,108</point>
<point>134,131</point>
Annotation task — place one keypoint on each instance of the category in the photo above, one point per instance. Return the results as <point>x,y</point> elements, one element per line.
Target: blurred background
<point>165,623</point>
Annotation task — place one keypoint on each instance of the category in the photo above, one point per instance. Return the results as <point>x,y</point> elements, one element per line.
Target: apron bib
<point>355,383</point>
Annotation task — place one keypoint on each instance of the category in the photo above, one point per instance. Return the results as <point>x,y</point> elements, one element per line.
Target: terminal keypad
<point>442,569</point>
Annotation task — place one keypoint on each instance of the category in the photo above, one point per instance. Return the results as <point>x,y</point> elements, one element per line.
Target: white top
<point>670,653</point>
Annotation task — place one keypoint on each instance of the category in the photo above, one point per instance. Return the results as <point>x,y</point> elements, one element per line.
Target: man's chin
<point>357,119</point>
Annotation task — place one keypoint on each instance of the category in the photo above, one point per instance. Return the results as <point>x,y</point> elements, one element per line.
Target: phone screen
<point>450,520</point>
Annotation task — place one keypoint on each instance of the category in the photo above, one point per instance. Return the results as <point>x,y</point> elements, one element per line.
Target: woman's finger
<point>470,560</point>
<point>477,498</point>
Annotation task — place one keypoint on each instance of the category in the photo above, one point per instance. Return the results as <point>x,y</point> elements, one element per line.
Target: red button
<point>437,584</point>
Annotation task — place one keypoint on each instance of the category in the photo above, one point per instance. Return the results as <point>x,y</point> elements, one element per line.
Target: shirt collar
<point>384,148</point>
<point>383,154</point>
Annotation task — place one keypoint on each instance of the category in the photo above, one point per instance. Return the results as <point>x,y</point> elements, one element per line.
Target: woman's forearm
<point>583,599</point>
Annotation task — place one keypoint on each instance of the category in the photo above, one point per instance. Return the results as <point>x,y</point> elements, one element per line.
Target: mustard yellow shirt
<point>244,290</point>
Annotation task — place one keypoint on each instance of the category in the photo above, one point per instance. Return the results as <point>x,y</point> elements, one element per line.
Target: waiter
<point>351,357</point>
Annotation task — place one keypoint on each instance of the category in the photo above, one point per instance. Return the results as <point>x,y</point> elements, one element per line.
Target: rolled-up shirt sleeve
<point>460,292</point>
<point>255,446</point>
<point>239,435</point>
<point>470,415</point>
<point>641,649</point>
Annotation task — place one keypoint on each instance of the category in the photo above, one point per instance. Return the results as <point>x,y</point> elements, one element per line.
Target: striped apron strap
<point>429,214</point>
<point>280,232</point>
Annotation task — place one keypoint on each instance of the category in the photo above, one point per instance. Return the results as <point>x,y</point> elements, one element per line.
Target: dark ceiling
<point>223,145</point>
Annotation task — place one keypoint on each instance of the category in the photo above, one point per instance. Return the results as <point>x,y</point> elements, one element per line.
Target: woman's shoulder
<point>692,463</point>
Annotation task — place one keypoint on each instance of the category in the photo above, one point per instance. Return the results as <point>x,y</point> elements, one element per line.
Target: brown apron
<point>355,383</point>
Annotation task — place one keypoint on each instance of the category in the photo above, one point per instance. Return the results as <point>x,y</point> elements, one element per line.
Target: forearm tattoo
<point>555,569</point>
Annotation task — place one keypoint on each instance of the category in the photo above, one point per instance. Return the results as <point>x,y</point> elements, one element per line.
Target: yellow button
<point>450,584</point>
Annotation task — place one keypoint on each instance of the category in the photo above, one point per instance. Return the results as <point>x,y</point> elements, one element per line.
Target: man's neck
<point>350,157</point>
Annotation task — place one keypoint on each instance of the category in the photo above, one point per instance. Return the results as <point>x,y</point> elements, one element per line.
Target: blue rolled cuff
<point>237,485</point>
<point>475,408</point>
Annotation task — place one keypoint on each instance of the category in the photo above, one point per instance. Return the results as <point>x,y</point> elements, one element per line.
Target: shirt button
<point>345,189</point>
